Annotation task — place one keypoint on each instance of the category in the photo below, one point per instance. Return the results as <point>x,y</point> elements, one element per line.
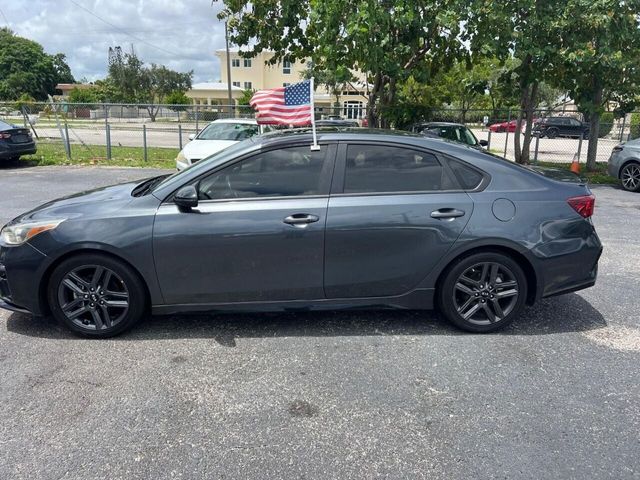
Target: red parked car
<point>503,127</point>
<point>507,126</point>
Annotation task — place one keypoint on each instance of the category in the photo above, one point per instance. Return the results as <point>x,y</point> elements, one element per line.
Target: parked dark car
<point>552,127</point>
<point>456,132</point>
<point>14,142</point>
<point>370,220</point>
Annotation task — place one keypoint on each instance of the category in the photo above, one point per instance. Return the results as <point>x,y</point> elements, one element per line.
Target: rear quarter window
<point>468,177</point>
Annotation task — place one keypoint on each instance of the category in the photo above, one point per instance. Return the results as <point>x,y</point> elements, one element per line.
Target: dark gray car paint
<point>379,250</point>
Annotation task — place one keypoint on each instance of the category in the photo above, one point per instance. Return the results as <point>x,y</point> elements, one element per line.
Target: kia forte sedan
<point>370,220</point>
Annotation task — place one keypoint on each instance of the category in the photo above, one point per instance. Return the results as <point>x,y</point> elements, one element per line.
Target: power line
<point>122,30</point>
<point>5,17</point>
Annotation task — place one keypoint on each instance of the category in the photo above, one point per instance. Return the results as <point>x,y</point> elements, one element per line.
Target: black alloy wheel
<point>96,295</point>
<point>483,292</point>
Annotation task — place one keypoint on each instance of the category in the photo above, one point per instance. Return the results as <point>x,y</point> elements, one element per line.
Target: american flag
<point>284,105</point>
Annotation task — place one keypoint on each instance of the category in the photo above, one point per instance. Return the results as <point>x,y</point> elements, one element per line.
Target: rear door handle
<point>301,219</point>
<point>444,213</point>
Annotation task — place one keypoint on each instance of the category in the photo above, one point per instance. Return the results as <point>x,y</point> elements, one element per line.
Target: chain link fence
<point>102,128</point>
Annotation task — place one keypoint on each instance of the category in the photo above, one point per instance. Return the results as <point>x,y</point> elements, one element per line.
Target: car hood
<point>199,149</point>
<point>92,202</point>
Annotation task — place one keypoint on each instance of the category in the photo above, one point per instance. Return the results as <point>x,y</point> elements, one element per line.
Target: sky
<point>181,34</point>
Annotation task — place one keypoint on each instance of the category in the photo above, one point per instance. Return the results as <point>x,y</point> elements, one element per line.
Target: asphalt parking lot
<point>329,395</point>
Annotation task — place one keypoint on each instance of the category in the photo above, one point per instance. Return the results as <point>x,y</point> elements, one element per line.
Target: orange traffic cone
<point>575,164</point>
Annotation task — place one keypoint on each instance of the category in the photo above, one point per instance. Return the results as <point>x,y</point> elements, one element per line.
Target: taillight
<point>5,135</point>
<point>583,204</point>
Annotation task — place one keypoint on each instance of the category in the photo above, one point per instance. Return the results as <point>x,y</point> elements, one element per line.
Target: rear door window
<point>383,168</point>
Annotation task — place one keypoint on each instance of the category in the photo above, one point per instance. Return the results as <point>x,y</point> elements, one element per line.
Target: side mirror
<point>192,136</point>
<point>483,143</point>
<point>186,198</point>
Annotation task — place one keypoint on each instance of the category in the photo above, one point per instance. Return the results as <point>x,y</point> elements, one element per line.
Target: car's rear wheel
<point>96,295</point>
<point>551,133</point>
<point>630,177</point>
<point>483,292</point>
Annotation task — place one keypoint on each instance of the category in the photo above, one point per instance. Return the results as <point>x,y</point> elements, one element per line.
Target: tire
<point>79,298</point>
<point>630,177</point>
<point>472,301</point>
<point>585,136</point>
<point>552,133</point>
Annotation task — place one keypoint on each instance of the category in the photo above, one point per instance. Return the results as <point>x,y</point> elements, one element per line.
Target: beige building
<point>255,74</point>
<point>212,93</point>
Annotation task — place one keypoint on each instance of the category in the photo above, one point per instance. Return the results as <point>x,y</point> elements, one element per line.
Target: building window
<point>286,67</point>
<point>236,84</point>
<point>247,63</point>
<point>247,86</point>
<point>286,84</point>
<point>235,62</point>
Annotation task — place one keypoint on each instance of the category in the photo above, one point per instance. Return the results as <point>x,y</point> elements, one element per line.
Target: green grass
<point>50,153</point>
<point>599,176</point>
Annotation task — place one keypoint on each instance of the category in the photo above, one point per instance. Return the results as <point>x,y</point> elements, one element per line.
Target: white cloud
<point>181,34</point>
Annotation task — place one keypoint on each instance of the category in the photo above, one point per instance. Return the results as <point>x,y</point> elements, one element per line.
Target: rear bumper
<point>569,265</point>
<point>16,150</point>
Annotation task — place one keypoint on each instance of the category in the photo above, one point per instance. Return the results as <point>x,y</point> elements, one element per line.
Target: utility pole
<point>226,38</point>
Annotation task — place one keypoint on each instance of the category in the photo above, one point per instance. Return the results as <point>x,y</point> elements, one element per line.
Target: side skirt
<point>419,299</point>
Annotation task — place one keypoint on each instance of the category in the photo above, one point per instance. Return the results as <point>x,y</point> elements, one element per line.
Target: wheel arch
<point>532,277</point>
<point>46,276</point>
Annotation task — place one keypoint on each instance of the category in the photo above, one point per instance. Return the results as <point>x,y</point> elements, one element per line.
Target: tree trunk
<point>527,102</point>
<point>372,107</point>
<point>153,112</point>
<point>594,127</point>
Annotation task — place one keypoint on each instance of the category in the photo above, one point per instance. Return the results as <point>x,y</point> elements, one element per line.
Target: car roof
<point>440,124</point>
<point>242,121</point>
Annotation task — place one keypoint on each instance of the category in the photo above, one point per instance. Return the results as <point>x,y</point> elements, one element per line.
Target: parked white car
<point>215,137</point>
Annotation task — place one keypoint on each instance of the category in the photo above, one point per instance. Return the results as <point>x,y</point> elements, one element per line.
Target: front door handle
<point>301,219</point>
<point>445,213</point>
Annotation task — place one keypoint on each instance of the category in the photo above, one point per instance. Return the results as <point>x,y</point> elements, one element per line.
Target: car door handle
<point>444,213</point>
<point>301,219</point>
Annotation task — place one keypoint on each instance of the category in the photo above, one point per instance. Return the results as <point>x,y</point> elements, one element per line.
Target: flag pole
<point>315,145</point>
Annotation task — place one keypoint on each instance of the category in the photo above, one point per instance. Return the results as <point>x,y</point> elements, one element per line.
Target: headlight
<point>21,232</point>
<point>181,158</point>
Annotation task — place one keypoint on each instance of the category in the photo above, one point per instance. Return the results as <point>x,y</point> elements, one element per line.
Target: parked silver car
<point>624,164</point>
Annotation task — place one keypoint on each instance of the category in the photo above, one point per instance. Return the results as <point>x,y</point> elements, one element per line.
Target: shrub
<point>606,124</point>
<point>634,131</point>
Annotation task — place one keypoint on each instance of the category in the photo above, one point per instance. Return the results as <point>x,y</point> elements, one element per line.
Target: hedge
<point>634,131</point>
<point>606,124</point>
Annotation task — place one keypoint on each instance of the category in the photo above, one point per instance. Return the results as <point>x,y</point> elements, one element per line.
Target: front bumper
<point>20,278</point>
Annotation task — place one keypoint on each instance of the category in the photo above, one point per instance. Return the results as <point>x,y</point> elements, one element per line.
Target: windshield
<point>5,126</point>
<point>457,134</point>
<point>228,131</point>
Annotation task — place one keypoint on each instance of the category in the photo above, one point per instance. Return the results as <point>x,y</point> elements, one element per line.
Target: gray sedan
<point>369,220</point>
<point>624,164</point>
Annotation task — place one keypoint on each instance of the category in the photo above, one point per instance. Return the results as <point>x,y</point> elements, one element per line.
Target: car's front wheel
<point>630,177</point>
<point>483,292</point>
<point>96,295</point>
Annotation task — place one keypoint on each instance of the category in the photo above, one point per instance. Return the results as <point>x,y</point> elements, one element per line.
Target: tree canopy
<point>130,81</point>
<point>26,69</point>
